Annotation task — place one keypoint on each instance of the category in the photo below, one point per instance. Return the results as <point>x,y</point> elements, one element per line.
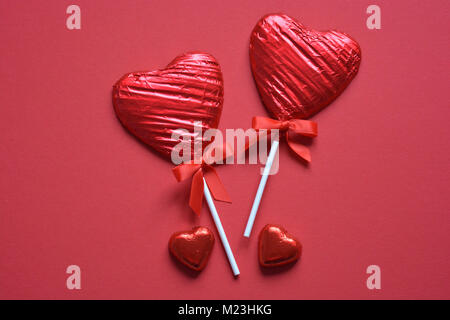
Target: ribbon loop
<point>198,172</point>
<point>294,127</point>
<point>185,170</point>
<point>303,127</point>
<point>265,123</point>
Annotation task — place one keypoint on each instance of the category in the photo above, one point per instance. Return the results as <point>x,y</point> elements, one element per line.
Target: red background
<point>76,188</point>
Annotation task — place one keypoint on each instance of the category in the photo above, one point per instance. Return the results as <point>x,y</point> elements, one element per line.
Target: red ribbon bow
<point>293,128</point>
<point>198,171</point>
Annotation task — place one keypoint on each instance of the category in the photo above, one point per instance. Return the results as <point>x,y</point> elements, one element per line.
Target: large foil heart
<point>154,104</point>
<point>298,71</point>
<point>277,247</point>
<point>192,248</point>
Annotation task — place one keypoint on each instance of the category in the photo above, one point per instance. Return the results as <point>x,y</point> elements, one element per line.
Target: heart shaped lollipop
<point>183,97</point>
<point>154,104</point>
<point>192,248</point>
<point>298,71</point>
<point>277,247</point>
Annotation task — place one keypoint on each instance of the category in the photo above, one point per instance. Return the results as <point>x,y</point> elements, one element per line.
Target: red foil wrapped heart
<point>277,247</point>
<point>154,104</point>
<point>298,71</point>
<point>192,248</point>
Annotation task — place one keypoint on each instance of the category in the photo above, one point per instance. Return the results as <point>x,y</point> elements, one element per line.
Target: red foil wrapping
<point>192,248</point>
<point>277,247</point>
<point>298,71</point>
<point>154,104</point>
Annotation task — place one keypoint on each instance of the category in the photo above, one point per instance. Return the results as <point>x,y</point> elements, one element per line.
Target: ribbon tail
<point>299,149</point>
<point>196,197</point>
<point>215,185</point>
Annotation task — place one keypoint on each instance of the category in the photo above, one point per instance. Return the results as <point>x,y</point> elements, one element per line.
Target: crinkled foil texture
<point>154,105</point>
<point>299,71</point>
<point>192,248</point>
<point>276,247</point>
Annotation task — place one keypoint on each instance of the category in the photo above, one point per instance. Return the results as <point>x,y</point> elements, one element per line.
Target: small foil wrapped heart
<point>277,247</point>
<point>154,104</point>
<point>192,248</point>
<point>298,71</point>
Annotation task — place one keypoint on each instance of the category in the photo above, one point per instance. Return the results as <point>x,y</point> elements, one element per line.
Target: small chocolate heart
<point>277,247</point>
<point>192,248</point>
<point>299,71</point>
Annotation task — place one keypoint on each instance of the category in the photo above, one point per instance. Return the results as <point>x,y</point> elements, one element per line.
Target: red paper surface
<point>76,188</point>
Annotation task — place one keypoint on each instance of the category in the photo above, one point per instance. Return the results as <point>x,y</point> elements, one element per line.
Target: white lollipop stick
<point>262,184</point>
<point>223,236</point>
